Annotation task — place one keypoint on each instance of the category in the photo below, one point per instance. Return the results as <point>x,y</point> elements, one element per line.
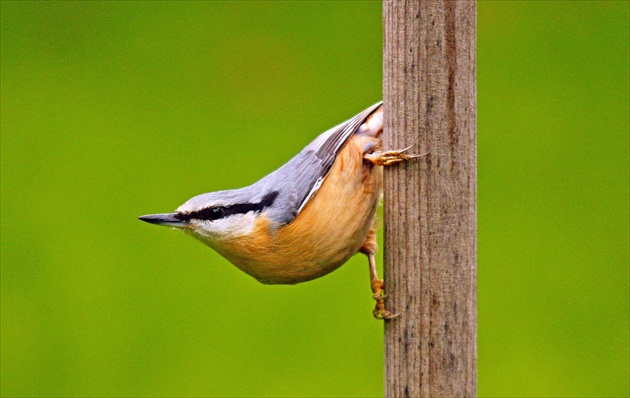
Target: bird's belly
<point>289,258</point>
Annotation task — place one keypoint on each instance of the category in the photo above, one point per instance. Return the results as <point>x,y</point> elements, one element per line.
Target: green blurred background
<point>111,110</point>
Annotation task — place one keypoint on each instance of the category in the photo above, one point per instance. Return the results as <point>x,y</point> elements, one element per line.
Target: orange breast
<point>329,230</point>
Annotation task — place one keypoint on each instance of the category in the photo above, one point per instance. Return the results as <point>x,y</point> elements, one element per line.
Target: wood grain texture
<point>430,204</point>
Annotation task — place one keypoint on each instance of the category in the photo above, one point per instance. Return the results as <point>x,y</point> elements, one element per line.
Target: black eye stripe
<point>210,213</point>
<point>217,212</point>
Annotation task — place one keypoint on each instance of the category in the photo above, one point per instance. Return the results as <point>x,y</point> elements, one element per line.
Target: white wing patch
<point>315,188</point>
<point>328,145</point>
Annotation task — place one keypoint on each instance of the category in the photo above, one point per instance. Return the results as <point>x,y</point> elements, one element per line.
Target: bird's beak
<point>166,219</point>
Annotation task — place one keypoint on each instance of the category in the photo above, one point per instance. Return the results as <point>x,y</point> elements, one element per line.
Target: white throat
<point>229,227</point>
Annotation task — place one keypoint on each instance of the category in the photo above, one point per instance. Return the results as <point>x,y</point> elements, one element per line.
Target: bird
<point>308,217</point>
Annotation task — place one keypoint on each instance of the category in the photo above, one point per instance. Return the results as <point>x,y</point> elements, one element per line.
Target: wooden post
<point>430,204</point>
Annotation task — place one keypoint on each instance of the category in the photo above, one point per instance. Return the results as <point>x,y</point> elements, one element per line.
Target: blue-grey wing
<point>300,178</point>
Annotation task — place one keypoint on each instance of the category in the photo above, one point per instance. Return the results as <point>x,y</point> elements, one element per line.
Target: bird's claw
<point>377,296</point>
<point>388,158</point>
<point>380,312</point>
<point>384,314</point>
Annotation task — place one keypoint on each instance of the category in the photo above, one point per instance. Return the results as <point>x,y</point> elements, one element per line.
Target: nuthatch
<point>308,217</point>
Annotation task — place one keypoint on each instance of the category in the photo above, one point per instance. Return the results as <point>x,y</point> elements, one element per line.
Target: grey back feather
<point>301,177</point>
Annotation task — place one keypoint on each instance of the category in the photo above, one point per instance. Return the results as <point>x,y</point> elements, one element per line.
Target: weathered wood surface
<point>430,204</point>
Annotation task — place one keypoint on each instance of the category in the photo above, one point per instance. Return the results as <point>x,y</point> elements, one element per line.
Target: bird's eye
<point>210,213</point>
<point>215,213</point>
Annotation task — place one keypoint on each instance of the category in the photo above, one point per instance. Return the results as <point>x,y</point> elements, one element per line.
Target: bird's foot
<point>380,312</point>
<point>388,158</point>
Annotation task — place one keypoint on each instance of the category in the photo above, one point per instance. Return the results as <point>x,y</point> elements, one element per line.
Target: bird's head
<point>217,215</point>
